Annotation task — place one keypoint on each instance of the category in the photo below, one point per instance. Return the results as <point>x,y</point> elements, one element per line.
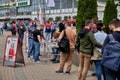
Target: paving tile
<point>45,70</point>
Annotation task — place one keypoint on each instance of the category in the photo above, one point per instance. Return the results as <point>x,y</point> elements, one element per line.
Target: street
<point>45,70</point>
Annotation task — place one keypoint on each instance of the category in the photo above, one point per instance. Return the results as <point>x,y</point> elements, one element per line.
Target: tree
<point>58,18</point>
<point>69,17</point>
<point>65,17</point>
<point>50,19</point>
<point>109,13</point>
<point>87,9</point>
<point>74,17</point>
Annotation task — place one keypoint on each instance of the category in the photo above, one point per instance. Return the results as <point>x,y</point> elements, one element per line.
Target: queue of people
<point>90,43</point>
<point>99,48</point>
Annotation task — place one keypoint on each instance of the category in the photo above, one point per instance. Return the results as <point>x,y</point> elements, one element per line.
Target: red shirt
<point>48,25</point>
<point>11,52</point>
<point>14,27</point>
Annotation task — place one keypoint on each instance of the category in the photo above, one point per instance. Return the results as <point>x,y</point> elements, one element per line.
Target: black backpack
<point>64,44</point>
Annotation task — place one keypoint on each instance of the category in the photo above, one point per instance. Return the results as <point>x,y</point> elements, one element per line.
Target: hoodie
<point>83,32</point>
<point>87,41</point>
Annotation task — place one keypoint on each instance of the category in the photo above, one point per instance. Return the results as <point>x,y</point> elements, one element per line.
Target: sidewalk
<point>45,70</point>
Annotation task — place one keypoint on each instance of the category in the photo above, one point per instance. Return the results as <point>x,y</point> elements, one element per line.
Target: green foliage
<point>87,9</point>
<point>65,17</point>
<point>58,18</point>
<point>74,17</point>
<point>69,17</point>
<point>50,19</point>
<point>109,13</point>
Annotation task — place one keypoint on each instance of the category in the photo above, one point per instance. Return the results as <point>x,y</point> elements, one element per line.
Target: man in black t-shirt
<point>37,40</point>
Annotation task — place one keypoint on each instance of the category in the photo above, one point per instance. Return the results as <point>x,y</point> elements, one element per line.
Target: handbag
<point>64,44</point>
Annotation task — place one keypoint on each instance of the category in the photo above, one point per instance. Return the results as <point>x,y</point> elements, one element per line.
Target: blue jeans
<point>30,46</point>
<point>48,36</point>
<point>58,55</point>
<point>110,74</point>
<point>36,51</point>
<point>21,37</point>
<point>56,52</point>
<point>1,31</point>
<point>98,68</point>
<point>53,50</point>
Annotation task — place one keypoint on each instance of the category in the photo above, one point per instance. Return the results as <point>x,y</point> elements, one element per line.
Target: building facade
<point>30,9</point>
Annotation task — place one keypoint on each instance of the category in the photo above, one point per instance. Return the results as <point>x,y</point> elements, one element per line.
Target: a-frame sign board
<point>13,51</point>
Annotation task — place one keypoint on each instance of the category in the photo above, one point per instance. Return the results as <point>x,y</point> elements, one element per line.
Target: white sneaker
<point>38,62</point>
<point>49,41</point>
<point>29,59</point>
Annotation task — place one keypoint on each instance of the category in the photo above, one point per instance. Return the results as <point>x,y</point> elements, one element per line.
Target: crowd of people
<point>90,44</point>
<point>96,47</point>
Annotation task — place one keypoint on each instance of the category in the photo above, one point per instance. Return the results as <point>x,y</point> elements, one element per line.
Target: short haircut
<point>30,20</point>
<point>56,34</point>
<point>68,23</point>
<point>94,20</point>
<point>88,22</point>
<point>13,22</point>
<point>99,26</point>
<point>115,22</point>
<point>41,25</point>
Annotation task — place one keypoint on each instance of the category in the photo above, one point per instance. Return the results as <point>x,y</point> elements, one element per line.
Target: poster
<point>13,52</point>
<point>11,47</point>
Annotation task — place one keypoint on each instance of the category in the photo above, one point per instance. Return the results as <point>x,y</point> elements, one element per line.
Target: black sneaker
<point>55,62</point>
<point>93,74</point>
<point>67,72</point>
<point>53,59</point>
<point>59,71</point>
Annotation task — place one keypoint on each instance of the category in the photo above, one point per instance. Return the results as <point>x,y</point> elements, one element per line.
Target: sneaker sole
<point>67,74</point>
<point>59,73</point>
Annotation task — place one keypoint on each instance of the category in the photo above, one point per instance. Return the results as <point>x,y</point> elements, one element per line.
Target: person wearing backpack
<point>67,56</point>
<point>85,51</point>
<point>111,52</point>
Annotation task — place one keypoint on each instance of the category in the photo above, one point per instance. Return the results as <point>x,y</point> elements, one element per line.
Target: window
<point>35,2</point>
<point>75,4</point>
<point>66,4</point>
<point>57,4</point>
